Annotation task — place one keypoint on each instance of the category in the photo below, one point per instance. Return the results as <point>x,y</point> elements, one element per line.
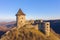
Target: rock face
<point>24,33</point>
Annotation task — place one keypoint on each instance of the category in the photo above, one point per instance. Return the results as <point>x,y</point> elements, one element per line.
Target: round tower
<point>20,18</point>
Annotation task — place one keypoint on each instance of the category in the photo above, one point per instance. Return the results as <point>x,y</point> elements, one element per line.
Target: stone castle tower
<point>47,28</point>
<point>20,18</point>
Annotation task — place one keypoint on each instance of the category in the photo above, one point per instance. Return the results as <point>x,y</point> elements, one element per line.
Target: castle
<point>37,24</point>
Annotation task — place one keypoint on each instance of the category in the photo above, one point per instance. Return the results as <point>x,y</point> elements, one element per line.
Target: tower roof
<point>19,13</point>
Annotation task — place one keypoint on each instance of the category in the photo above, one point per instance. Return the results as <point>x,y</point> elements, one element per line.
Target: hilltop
<point>25,33</point>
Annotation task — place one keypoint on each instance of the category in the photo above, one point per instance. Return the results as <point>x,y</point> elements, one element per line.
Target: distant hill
<point>55,25</point>
<point>6,26</point>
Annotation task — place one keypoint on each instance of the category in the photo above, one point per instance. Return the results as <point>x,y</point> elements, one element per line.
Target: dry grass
<point>27,34</point>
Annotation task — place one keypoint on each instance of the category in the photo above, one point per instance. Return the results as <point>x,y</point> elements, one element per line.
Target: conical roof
<point>19,13</point>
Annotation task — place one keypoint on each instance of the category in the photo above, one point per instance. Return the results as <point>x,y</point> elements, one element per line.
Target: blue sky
<point>34,9</point>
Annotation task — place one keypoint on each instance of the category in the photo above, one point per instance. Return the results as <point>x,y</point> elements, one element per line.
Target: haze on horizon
<point>34,9</point>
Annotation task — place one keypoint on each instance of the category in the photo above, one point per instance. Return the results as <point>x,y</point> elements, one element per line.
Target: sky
<point>34,9</point>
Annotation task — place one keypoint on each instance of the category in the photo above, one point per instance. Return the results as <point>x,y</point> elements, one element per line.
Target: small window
<point>47,24</point>
<point>21,21</point>
<point>22,17</point>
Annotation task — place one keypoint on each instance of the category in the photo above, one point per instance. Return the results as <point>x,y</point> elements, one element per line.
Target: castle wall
<point>29,22</point>
<point>32,26</point>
